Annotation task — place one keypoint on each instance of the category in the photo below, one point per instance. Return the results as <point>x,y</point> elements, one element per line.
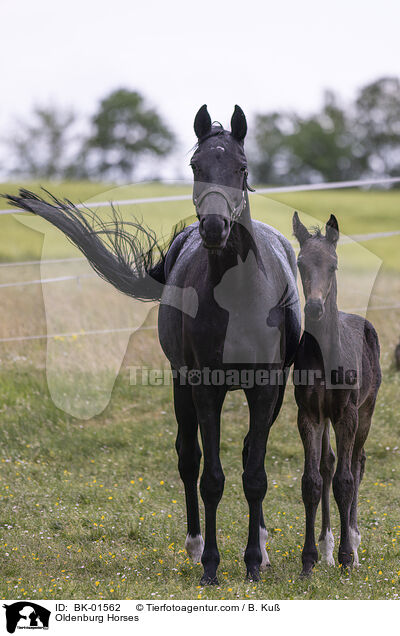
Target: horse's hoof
<point>208,580</point>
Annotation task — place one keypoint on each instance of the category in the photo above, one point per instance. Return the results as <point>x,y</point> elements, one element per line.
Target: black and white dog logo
<point>26,615</point>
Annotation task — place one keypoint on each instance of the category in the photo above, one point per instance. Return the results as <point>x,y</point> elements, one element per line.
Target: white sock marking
<point>326,546</point>
<point>263,540</point>
<point>194,547</point>
<point>355,540</point>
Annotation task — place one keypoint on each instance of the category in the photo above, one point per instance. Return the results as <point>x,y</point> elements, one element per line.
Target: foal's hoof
<point>305,573</point>
<point>253,575</point>
<point>346,560</point>
<point>307,569</point>
<point>208,580</point>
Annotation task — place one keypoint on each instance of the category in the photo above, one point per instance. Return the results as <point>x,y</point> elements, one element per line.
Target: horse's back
<point>243,296</point>
<point>274,249</point>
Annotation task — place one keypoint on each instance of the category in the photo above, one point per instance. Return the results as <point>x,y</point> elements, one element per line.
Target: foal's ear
<point>299,230</point>
<point>202,122</point>
<point>332,230</point>
<point>238,124</point>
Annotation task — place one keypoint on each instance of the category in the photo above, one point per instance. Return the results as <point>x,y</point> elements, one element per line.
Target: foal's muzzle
<point>314,309</point>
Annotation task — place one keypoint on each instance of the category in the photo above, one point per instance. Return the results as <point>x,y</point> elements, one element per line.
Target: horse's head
<point>317,262</point>
<point>220,176</point>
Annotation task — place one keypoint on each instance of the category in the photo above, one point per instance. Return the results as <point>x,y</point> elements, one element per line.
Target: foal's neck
<point>326,330</point>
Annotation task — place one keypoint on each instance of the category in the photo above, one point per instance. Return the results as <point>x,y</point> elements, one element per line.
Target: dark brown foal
<point>338,358</point>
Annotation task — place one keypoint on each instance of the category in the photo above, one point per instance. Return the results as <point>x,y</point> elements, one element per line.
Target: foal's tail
<point>131,261</point>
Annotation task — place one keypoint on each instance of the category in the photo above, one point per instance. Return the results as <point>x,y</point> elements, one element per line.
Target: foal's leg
<point>343,481</point>
<point>261,405</point>
<point>311,432</point>
<point>357,468</point>
<point>189,454</point>
<point>208,402</point>
<point>326,541</point>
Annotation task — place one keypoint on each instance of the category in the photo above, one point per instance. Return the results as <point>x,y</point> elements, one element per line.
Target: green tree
<point>324,145</point>
<point>333,144</point>
<point>45,146</point>
<point>377,125</point>
<point>125,130</point>
<point>270,156</point>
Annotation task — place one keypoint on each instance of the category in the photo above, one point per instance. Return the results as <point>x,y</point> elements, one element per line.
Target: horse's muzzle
<point>214,230</point>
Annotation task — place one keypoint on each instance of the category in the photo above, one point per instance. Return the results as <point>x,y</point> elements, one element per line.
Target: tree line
<point>337,142</point>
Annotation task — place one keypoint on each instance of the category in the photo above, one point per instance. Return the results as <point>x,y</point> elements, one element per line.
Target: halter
<point>235,211</point>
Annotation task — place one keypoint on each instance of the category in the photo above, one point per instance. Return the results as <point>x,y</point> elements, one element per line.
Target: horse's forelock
<point>218,130</point>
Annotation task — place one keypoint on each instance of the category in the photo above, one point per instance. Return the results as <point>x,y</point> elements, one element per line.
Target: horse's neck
<point>326,331</point>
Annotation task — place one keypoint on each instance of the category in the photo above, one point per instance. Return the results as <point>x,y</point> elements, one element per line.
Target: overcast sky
<point>261,55</point>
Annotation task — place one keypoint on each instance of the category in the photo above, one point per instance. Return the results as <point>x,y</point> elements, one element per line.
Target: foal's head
<point>317,262</point>
<point>220,176</point>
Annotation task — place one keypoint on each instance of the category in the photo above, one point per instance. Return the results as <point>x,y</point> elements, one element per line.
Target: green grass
<point>95,508</point>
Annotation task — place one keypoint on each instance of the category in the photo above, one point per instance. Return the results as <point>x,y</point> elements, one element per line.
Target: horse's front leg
<point>189,454</point>
<point>261,405</point>
<point>265,562</point>
<point>208,401</point>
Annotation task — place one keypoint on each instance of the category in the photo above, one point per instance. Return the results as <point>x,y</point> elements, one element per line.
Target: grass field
<point>94,508</point>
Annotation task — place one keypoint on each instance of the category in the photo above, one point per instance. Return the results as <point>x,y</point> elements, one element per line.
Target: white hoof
<point>326,546</point>
<point>264,554</point>
<point>194,546</point>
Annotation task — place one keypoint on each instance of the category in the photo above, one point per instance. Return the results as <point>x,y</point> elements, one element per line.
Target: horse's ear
<point>299,230</point>
<point>332,230</point>
<point>202,122</point>
<point>238,124</point>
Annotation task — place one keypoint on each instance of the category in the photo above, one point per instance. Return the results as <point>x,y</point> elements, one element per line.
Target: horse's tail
<point>131,261</point>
